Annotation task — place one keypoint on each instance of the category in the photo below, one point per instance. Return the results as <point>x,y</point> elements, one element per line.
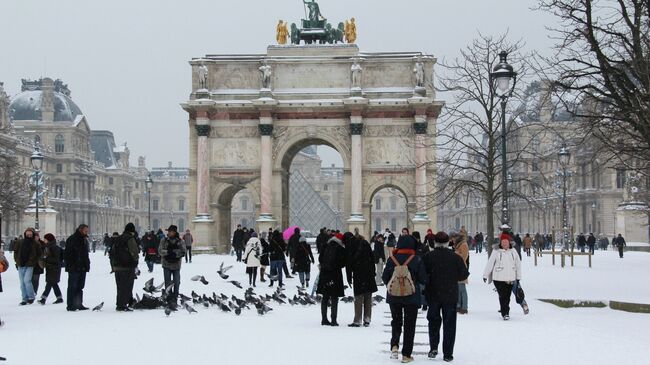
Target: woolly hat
<point>504,236</point>
<point>429,231</point>
<point>339,236</point>
<point>50,237</point>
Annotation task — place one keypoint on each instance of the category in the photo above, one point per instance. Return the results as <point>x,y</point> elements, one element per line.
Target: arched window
<point>181,205</point>
<point>244,203</point>
<point>181,225</point>
<point>393,203</point>
<point>378,203</point>
<point>59,143</point>
<point>378,224</point>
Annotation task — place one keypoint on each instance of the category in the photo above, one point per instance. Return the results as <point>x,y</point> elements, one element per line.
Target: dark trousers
<point>50,286</point>
<point>334,301</point>
<point>276,269</point>
<point>285,269</point>
<point>504,289</point>
<point>149,264</point>
<point>124,281</point>
<point>238,252</point>
<point>167,273</point>
<point>36,278</point>
<point>448,322</point>
<point>188,253</point>
<point>404,315</point>
<point>76,284</point>
<point>620,253</point>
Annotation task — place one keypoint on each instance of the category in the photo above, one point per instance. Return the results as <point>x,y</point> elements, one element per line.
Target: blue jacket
<point>418,274</point>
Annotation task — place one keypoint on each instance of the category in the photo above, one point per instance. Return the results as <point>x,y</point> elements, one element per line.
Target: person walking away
<point>591,243</point>
<point>237,239</point>
<point>172,250</point>
<point>528,243</point>
<point>124,260</point>
<point>106,241</point>
<point>379,254</point>
<point>361,274</point>
<point>330,280</point>
<point>27,252</point>
<point>276,255</point>
<point>252,259</point>
<point>503,268</point>
<point>188,239</point>
<point>406,268</point>
<point>445,270</point>
<point>292,246</point>
<point>77,265</point>
<point>619,242</point>
<point>582,242</point>
<point>303,258</point>
<point>52,260</point>
<point>462,250</point>
<point>264,257</point>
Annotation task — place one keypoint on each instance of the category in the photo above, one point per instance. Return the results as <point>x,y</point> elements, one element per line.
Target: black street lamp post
<point>37,164</point>
<point>505,79</point>
<point>564,156</point>
<point>149,184</point>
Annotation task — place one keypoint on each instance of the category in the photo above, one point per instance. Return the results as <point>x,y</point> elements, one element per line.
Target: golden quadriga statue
<point>282,32</point>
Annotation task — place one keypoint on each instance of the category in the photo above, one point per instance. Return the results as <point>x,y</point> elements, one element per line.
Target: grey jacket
<point>168,248</point>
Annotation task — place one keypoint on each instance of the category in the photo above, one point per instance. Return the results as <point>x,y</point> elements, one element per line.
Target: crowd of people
<point>420,273</point>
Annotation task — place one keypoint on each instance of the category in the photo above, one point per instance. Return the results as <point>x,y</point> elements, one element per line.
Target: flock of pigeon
<point>155,297</point>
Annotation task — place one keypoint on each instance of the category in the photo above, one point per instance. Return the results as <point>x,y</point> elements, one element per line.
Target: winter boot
<point>262,270</point>
<point>323,313</point>
<point>58,300</point>
<point>394,352</point>
<point>433,354</point>
<point>407,359</point>
<point>41,301</point>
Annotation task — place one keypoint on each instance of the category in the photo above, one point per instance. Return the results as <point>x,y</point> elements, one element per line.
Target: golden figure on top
<point>282,32</point>
<point>350,31</point>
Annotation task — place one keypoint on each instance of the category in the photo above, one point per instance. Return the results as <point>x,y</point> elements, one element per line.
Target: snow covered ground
<point>292,335</point>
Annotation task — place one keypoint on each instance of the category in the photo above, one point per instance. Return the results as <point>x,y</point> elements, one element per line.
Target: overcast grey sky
<point>126,61</point>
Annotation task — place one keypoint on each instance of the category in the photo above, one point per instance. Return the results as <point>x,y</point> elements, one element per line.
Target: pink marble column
<point>266,168</point>
<point>356,128</point>
<point>420,127</point>
<point>202,171</point>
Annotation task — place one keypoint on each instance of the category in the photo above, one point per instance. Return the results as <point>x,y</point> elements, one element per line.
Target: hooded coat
<point>330,281</point>
<point>361,269</point>
<point>27,252</point>
<point>303,257</point>
<point>253,252</point>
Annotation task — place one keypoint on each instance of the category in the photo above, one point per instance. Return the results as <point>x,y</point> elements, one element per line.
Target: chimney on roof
<point>169,164</point>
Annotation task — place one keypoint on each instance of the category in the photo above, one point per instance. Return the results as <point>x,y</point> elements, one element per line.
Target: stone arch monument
<point>249,115</point>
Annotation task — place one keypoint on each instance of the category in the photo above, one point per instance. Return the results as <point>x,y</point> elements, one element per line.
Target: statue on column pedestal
<point>203,77</point>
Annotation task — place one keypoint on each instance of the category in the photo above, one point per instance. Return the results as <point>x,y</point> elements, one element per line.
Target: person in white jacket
<point>252,255</point>
<point>503,268</point>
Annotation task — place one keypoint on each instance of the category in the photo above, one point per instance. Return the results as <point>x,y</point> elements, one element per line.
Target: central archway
<point>301,185</point>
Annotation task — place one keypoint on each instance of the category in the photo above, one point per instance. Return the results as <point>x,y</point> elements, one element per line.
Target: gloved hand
<point>484,280</point>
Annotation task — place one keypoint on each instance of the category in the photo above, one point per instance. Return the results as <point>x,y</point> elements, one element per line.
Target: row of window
<point>380,228</point>
<point>393,203</point>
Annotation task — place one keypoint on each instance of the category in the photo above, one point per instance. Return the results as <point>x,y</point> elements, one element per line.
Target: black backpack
<point>119,253</point>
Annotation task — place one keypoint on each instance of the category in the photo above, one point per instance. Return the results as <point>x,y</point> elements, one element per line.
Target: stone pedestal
<point>422,222</point>
<point>632,221</point>
<point>357,221</point>
<point>46,219</point>
<point>202,233</point>
<point>264,222</point>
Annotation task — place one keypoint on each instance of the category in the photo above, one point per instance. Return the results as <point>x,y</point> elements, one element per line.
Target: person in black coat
<point>238,241</point>
<point>276,257</point>
<point>294,242</point>
<point>321,240</point>
<point>150,250</point>
<point>445,269</point>
<point>361,274</point>
<point>303,258</point>
<point>52,263</point>
<point>264,258</point>
<point>330,283</point>
<point>404,310</point>
<point>591,243</point>
<point>380,257</point>
<point>77,264</point>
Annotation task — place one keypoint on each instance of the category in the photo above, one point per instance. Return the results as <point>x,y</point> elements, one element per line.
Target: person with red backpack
<point>403,275</point>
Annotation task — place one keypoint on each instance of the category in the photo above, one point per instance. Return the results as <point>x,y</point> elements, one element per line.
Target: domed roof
<point>27,106</point>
